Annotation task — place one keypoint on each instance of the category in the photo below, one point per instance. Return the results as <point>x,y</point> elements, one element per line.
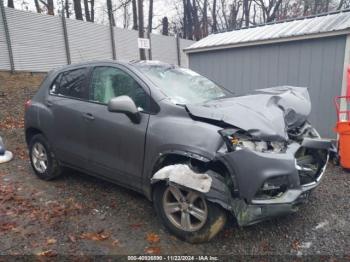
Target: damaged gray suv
<point>193,148</point>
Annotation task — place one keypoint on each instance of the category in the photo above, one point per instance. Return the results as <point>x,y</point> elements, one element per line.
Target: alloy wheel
<point>39,158</point>
<point>185,209</point>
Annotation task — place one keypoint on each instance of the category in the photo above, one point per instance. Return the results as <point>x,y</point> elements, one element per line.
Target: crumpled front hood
<point>266,114</point>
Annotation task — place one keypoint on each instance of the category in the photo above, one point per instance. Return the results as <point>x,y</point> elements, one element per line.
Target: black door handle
<point>88,116</point>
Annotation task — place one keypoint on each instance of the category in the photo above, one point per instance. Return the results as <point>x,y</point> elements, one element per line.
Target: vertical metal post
<point>65,35</point>
<point>150,46</point>
<point>7,35</point>
<point>112,34</point>
<point>178,51</point>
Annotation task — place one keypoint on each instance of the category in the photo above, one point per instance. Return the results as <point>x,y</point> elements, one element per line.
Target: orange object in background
<point>343,129</point>
<point>342,105</point>
<point>348,83</point>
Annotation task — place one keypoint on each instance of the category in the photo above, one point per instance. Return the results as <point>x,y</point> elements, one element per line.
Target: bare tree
<point>269,11</point>
<point>87,11</point>
<point>10,4</point>
<point>197,28</point>
<point>37,6</point>
<point>66,8</point>
<point>134,15</point>
<point>188,13</point>
<point>185,24</point>
<point>92,12</point>
<point>49,6</point>
<point>246,12</point>
<point>215,22</point>
<point>165,26</point>
<point>141,27</point>
<point>205,18</point>
<point>110,12</point>
<point>150,17</point>
<point>77,10</point>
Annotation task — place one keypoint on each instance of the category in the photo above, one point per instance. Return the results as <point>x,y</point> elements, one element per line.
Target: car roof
<point>119,62</point>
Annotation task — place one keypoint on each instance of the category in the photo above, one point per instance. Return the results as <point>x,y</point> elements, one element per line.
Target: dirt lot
<point>78,214</point>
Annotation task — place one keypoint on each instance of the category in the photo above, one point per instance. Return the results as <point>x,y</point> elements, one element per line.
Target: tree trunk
<point>110,13</point>
<point>246,12</point>
<point>340,6</point>
<point>315,7</point>
<point>10,4</point>
<point>50,7</point>
<point>141,27</point>
<point>87,12</point>
<point>150,16</point>
<point>165,26</point>
<point>66,7</point>
<point>37,6</point>
<point>215,22</point>
<point>189,20</point>
<point>134,15</point>
<point>77,10</point>
<point>185,19</point>
<point>272,16</point>
<point>205,18</point>
<point>197,28</point>
<point>92,13</point>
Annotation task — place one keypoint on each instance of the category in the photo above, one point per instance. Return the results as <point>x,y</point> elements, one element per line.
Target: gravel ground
<point>80,215</point>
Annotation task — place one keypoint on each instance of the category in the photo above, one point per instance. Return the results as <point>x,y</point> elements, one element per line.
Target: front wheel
<point>187,214</point>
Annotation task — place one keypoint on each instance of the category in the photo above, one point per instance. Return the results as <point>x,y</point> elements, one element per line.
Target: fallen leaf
<point>72,238</point>
<point>296,245</point>
<point>265,246</point>
<point>115,242</point>
<point>152,238</point>
<point>152,250</point>
<point>47,253</point>
<point>95,236</point>
<point>136,226</point>
<point>51,241</point>
<point>7,226</point>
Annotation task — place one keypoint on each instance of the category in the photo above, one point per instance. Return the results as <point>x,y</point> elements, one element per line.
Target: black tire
<point>53,169</point>
<point>216,219</point>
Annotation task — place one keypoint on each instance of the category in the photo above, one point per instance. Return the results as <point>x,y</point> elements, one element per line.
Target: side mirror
<point>125,105</point>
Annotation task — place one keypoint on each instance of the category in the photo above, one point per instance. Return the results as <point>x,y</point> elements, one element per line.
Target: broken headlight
<point>236,140</point>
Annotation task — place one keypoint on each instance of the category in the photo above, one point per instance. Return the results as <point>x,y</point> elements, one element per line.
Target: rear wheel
<point>187,214</point>
<point>42,158</point>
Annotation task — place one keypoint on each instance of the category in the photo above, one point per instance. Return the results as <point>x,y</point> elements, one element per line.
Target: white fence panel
<point>164,48</point>
<point>37,40</point>
<point>126,44</point>
<point>88,41</point>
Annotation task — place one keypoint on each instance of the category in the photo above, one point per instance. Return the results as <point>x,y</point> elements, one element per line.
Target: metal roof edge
<point>190,50</point>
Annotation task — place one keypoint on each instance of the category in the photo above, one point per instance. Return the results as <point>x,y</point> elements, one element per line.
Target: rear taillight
<point>27,104</point>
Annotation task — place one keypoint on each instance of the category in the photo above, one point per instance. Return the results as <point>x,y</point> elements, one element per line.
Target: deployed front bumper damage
<point>250,169</point>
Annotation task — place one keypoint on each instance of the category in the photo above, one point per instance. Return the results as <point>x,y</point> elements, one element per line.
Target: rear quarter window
<point>71,83</point>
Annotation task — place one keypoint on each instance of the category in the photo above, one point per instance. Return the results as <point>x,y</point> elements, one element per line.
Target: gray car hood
<point>265,114</point>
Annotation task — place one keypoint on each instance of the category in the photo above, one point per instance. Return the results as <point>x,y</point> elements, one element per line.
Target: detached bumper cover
<point>250,169</point>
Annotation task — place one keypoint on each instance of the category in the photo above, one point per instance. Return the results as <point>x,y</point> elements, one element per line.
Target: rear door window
<point>71,83</point>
